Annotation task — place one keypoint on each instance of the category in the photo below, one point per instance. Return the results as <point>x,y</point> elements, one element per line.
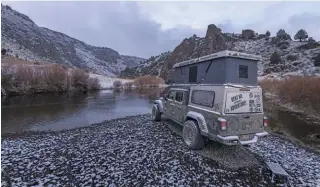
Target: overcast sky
<point>150,28</point>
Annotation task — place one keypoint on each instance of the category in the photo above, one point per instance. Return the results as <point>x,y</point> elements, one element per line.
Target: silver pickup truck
<point>227,114</point>
<point>217,97</point>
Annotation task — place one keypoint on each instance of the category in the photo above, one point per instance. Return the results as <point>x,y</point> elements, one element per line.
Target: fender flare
<point>159,104</point>
<point>200,120</point>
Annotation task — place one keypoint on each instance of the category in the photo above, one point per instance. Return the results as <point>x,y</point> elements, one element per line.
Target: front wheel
<point>191,135</point>
<point>156,115</point>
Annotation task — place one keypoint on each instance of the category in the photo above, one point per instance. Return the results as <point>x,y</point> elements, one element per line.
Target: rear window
<point>243,71</point>
<point>203,97</point>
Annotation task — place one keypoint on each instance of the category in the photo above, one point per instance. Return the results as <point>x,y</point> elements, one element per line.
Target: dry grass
<point>22,78</point>
<point>298,90</point>
<point>9,60</point>
<point>148,81</point>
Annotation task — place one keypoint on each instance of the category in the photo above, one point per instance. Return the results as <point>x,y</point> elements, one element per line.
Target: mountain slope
<point>296,57</point>
<point>151,66</point>
<point>22,38</point>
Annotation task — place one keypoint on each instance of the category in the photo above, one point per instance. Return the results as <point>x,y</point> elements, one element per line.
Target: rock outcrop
<point>248,34</point>
<point>194,47</point>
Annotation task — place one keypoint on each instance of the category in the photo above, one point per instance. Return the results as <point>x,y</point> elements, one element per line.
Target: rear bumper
<point>235,140</point>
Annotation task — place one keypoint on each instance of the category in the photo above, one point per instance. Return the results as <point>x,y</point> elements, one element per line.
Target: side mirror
<point>165,96</point>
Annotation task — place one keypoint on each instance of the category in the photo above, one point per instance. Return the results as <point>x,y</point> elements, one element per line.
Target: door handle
<point>179,107</point>
<point>172,104</point>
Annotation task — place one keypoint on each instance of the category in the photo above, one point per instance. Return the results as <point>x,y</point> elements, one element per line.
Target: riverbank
<point>137,151</point>
<point>296,94</point>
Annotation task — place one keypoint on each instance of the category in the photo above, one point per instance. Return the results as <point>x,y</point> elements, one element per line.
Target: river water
<point>64,111</point>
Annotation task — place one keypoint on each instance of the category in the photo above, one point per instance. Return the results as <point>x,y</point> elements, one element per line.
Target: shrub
<point>93,84</point>
<point>3,51</point>
<point>301,35</point>
<point>309,46</point>
<point>283,45</point>
<point>292,57</point>
<point>149,81</point>
<point>117,84</point>
<point>79,79</point>
<point>311,40</point>
<point>6,77</point>
<point>275,58</point>
<point>56,77</point>
<point>53,78</point>
<point>268,34</point>
<point>298,90</point>
<point>316,60</point>
<point>281,34</point>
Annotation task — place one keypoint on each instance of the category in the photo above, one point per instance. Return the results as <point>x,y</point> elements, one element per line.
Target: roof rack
<point>227,84</point>
<point>226,53</point>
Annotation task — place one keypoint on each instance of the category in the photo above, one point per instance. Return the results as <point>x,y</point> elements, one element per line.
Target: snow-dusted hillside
<point>297,58</point>
<point>301,61</point>
<point>132,61</point>
<point>22,38</point>
<point>152,66</point>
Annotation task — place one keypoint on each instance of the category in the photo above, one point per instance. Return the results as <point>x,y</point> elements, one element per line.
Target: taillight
<point>223,124</point>
<point>265,121</point>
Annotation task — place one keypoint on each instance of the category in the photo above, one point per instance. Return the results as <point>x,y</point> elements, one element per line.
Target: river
<point>54,112</point>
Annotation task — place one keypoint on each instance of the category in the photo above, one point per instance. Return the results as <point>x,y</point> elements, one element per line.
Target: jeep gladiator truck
<point>229,113</point>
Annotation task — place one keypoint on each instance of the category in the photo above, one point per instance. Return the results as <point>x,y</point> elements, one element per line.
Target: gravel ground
<point>134,151</point>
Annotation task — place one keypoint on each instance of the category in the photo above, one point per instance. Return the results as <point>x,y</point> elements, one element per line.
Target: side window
<point>203,97</point>
<point>243,71</point>
<point>193,73</point>
<point>179,96</point>
<point>171,95</point>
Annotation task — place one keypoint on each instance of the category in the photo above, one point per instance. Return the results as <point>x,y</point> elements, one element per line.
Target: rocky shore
<point>134,151</point>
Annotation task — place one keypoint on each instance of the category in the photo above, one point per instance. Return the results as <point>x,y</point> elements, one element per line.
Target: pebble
<point>137,151</point>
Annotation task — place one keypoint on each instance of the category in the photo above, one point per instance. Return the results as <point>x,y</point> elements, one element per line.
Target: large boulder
<point>248,34</point>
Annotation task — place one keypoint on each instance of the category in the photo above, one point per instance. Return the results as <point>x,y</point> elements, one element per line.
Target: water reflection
<point>66,111</point>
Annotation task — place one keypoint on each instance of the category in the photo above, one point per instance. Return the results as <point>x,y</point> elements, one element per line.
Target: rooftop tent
<point>218,68</point>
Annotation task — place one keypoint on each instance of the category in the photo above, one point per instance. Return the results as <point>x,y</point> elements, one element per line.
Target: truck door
<point>168,105</point>
<point>179,108</point>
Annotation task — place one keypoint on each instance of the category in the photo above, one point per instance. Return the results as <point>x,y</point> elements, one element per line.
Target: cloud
<point>118,25</point>
<point>150,28</point>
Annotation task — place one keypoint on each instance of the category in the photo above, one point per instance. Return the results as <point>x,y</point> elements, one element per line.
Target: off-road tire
<point>156,115</point>
<point>191,135</point>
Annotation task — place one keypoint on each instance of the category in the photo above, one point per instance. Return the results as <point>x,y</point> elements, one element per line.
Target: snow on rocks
<point>302,165</point>
<point>136,151</point>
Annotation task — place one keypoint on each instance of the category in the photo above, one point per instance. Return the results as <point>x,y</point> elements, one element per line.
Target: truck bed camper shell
<point>225,67</point>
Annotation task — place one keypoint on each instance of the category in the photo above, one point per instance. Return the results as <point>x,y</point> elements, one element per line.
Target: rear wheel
<point>156,115</point>
<point>191,135</point>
